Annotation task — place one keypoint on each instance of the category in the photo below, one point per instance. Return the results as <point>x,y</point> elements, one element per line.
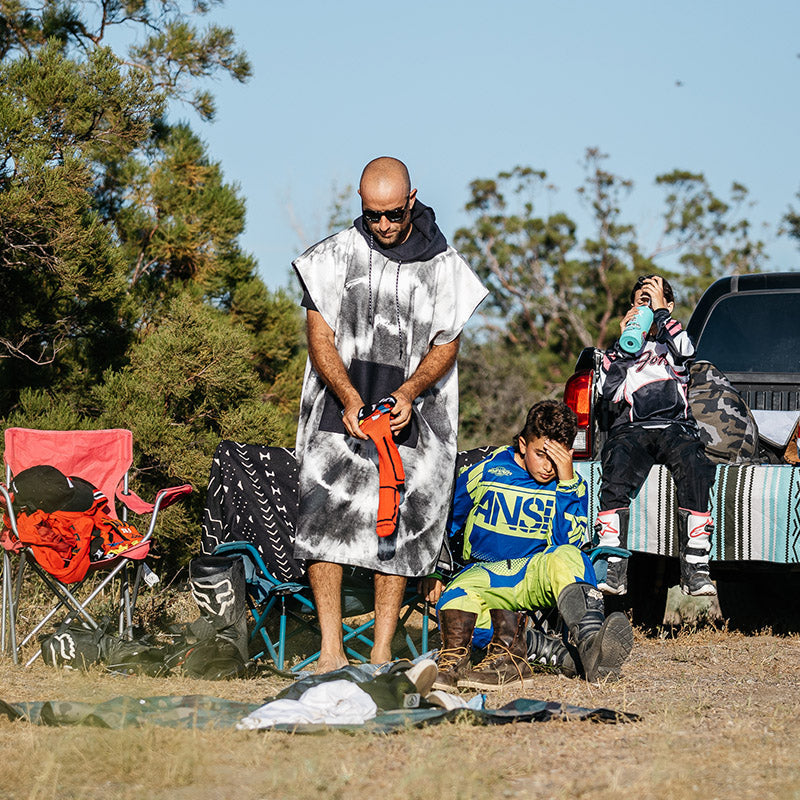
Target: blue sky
<point>461,90</point>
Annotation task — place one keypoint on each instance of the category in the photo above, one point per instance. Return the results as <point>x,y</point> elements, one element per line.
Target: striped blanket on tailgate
<point>756,510</point>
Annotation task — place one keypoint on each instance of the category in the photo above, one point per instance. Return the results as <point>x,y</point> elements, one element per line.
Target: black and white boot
<point>695,532</point>
<point>546,650</point>
<point>611,530</point>
<point>219,589</point>
<point>603,643</point>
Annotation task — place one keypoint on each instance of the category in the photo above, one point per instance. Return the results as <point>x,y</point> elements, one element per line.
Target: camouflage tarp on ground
<point>187,711</point>
<point>199,711</point>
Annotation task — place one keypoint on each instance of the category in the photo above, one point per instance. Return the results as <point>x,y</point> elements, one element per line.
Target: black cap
<point>48,489</point>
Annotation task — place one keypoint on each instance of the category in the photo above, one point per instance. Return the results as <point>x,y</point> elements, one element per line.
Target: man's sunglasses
<point>395,215</point>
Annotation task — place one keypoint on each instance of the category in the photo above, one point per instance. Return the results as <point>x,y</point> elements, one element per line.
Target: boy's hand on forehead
<point>561,457</point>
<point>654,289</point>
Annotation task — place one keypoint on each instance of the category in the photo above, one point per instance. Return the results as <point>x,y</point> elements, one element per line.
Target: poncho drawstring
<point>371,312</point>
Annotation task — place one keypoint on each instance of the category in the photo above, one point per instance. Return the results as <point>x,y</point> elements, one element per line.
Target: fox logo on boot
<point>215,598</point>
<point>62,648</point>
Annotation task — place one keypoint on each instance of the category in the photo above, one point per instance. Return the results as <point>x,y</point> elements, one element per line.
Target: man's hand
<point>350,419</point>
<point>561,457</point>
<point>401,413</point>
<point>430,589</point>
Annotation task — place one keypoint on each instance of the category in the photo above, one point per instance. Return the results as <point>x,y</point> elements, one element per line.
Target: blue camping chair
<point>251,511</point>
<point>293,602</point>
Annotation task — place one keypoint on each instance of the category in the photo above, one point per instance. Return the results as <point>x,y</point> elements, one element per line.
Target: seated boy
<point>655,426</point>
<point>523,512</point>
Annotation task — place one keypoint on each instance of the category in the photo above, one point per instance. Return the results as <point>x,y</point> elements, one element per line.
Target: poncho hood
<point>425,242</point>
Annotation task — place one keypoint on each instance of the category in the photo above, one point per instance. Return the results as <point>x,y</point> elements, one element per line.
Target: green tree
<point>550,293</point>
<point>133,302</point>
<point>611,253</point>
<point>61,273</point>
<point>555,290</point>
<point>190,383</point>
<point>498,382</point>
<point>179,224</point>
<point>517,254</point>
<point>175,53</point>
<point>71,114</point>
<point>709,236</point>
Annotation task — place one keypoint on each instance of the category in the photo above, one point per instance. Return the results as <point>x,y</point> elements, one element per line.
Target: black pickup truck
<point>748,326</point>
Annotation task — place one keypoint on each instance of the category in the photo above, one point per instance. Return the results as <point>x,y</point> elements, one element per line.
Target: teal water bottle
<point>633,336</point>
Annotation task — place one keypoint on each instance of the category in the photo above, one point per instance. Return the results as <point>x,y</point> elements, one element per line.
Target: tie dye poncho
<point>385,315</point>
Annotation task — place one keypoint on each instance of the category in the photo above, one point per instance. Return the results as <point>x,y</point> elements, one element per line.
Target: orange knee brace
<point>391,476</point>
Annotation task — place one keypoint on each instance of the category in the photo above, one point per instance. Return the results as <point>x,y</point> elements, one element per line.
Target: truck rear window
<point>753,332</point>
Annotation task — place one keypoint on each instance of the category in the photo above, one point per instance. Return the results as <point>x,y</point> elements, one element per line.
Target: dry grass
<point>719,719</point>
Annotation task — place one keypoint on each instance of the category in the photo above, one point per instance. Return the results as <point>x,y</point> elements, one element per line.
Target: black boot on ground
<point>453,659</point>
<point>548,652</point>
<point>603,643</point>
<point>506,661</point>
<point>218,587</point>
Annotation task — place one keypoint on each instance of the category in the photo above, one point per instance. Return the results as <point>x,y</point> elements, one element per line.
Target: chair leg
<point>65,599</point>
<point>349,633</point>
<point>424,609</point>
<point>4,603</point>
<point>426,615</point>
<point>125,610</point>
<point>137,582</point>
<point>17,592</point>
<point>68,600</point>
<point>282,634</point>
<point>9,623</point>
<point>410,644</point>
<point>260,615</point>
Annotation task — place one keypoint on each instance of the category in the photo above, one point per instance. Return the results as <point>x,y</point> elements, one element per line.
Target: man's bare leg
<point>389,591</point>
<point>326,583</point>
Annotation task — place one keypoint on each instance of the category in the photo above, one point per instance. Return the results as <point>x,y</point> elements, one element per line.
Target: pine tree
<point>555,290</point>
<point>129,301</point>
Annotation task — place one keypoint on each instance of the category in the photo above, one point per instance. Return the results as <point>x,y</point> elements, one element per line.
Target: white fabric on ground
<point>332,703</point>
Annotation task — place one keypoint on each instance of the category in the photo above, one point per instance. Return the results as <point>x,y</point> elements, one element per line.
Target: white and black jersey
<point>650,386</point>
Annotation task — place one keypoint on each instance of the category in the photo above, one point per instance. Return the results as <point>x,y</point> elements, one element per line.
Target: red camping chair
<point>102,458</point>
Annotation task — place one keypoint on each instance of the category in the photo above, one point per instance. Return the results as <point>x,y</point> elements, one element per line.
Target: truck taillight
<point>578,396</point>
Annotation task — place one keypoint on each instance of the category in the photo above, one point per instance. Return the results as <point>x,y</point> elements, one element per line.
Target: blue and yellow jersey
<point>506,514</point>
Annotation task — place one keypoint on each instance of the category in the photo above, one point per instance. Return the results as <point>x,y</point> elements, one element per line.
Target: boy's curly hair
<point>550,419</point>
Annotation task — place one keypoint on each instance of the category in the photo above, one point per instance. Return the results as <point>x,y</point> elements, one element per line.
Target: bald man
<point>385,300</point>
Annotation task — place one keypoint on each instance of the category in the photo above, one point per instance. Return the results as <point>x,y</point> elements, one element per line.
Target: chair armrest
<point>604,552</point>
<point>8,535</point>
<point>164,498</point>
<point>284,589</point>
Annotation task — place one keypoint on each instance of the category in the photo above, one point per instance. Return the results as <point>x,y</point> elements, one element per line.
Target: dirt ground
<point>719,714</point>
